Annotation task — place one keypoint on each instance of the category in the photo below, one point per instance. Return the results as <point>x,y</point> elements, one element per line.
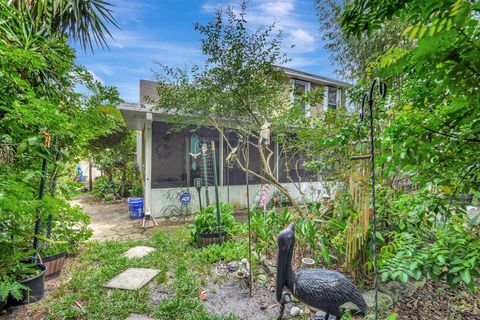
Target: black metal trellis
<point>41,193</point>
<point>369,98</point>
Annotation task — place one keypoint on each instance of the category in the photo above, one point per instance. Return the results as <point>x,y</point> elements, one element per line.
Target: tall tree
<point>435,105</point>
<point>353,55</point>
<point>240,88</point>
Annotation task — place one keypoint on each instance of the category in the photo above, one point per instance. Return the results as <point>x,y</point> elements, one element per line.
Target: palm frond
<point>85,21</point>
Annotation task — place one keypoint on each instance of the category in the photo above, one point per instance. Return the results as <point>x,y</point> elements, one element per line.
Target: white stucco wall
<point>167,201</point>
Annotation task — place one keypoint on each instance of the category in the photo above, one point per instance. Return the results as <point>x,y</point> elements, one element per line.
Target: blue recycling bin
<point>135,206</point>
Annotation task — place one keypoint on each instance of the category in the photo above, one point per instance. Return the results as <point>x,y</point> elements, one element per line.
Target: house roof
<point>135,114</point>
<point>301,75</point>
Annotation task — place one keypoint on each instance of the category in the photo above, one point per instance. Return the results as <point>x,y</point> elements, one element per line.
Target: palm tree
<point>84,21</point>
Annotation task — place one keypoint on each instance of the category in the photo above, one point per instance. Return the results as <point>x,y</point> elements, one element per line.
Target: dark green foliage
<point>37,89</point>
<point>427,137</point>
<point>206,219</point>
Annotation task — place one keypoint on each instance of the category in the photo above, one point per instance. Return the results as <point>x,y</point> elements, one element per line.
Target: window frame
<point>308,87</point>
<point>337,100</point>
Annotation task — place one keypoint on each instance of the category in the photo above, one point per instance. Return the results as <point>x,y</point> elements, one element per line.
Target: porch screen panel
<point>292,168</point>
<point>233,174</point>
<point>168,156</point>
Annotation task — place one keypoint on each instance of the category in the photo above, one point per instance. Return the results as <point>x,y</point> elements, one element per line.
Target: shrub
<point>206,219</point>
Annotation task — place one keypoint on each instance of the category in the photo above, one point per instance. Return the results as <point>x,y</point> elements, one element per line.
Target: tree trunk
<point>122,182</point>
<point>271,179</point>
<point>90,178</point>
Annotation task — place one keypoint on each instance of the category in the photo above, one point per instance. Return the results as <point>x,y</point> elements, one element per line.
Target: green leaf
<point>466,277</point>
<point>384,277</point>
<point>413,33</point>
<point>456,269</point>
<point>404,277</point>
<point>396,274</point>
<point>441,259</point>
<point>417,275</point>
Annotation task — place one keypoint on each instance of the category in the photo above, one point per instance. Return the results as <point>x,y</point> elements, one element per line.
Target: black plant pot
<point>206,239</point>
<point>54,264</point>
<point>35,291</point>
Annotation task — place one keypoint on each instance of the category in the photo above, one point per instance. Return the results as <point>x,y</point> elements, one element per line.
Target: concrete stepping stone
<point>138,252</point>
<point>135,316</point>
<point>132,278</point>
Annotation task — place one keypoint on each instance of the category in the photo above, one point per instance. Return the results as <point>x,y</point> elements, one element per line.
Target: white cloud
<point>278,8</point>
<point>303,40</point>
<point>207,7</point>
<point>300,28</point>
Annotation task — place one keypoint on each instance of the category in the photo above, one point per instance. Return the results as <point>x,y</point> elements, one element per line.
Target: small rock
<point>232,266</point>
<point>384,301</point>
<point>269,267</point>
<point>263,304</point>
<point>320,314</point>
<point>295,311</point>
<point>307,310</point>
<point>399,290</point>
<point>255,255</point>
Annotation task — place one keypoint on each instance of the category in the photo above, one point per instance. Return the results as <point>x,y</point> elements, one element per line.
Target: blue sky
<point>163,31</point>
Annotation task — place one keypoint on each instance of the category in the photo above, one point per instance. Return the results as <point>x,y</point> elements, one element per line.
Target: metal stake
<point>205,176</point>
<point>215,182</point>
<point>247,161</point>
<point>41,193</point>
<point>53,190</point>
<point>369,98</point>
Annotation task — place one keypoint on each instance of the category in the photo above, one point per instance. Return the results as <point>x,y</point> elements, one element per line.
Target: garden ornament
<point>232,155</point>
<point>323,289</point>
<point>265,134</point>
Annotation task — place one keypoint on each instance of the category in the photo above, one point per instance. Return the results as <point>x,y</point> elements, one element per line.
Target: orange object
<point>202,296</point>
<point>47,138</point>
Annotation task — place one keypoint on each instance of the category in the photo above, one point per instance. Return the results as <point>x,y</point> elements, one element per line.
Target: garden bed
<point>184,272</point>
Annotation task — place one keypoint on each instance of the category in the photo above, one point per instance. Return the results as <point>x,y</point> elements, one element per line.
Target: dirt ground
<point>110,221</point>
<point>224,296</point>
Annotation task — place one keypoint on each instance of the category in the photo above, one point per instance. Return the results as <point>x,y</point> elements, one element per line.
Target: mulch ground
<point>437,301</point>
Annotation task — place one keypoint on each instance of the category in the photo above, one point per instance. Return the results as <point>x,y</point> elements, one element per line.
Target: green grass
<point>84,297</point>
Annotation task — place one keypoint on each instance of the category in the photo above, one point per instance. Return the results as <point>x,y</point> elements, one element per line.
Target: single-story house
<point>169,160</point>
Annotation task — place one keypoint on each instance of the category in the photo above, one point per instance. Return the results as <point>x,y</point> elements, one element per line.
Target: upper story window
<point>299,88</point>
<point>333,94</point>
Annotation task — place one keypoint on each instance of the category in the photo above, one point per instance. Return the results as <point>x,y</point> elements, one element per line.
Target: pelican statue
<point>323,289</point>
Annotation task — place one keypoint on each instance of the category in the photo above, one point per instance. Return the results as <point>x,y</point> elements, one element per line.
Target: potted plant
<point>53,257</point>
<point>206,231</point>
<point>68,228</point>
<point>21,279</point>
